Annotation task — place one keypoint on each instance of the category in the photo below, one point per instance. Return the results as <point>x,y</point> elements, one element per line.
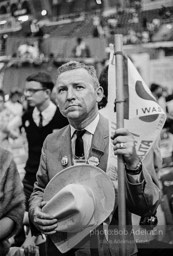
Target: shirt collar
<point>46,112</point>
<point>89,128</point>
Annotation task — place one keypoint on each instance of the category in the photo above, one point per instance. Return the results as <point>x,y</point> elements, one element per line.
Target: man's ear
<point>56,101</point>
<point>100,93</point>
<point>48,91</point>
<point>54,95</point>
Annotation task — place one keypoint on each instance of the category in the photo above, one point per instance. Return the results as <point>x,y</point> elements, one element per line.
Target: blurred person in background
<point>169,107</point>
<point>159,93</point>
<point>81,49</point>
<point>14,102</point>
<point>15,106</point>
<point>12,200</point>
<point>98,30</point>
<point>42,119</point>
<point>8,123</point>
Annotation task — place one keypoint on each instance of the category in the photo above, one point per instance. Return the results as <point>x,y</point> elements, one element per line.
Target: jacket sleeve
<point>37,195</point>
<point>143,198</point>
<point>13,205</point>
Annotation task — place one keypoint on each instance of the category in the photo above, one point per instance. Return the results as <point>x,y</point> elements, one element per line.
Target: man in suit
<point>40,120</point>
<point>78,93</point>
<point>81,49</point>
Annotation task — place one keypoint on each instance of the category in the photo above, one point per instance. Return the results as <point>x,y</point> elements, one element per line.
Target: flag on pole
<point>143,116</point>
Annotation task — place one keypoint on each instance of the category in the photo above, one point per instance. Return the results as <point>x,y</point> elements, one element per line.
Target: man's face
<point>35,93</point>
<point>76,95</point>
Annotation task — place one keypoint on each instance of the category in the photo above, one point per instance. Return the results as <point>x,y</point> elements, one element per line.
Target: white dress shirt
<point>87,140</point>
<point>47,114</point>
<point>87,137</point>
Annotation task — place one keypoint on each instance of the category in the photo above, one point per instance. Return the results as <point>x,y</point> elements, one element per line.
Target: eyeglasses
<point>32,91</point>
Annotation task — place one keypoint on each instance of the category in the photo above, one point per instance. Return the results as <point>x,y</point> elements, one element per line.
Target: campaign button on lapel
<point>27,123</point>
<point>93,161</point>
<point>64,160</point>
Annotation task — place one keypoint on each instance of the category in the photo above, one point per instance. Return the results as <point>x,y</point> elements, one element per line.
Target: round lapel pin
<point>64,161</point>
<point>27,123</point>
<point>93,161</point>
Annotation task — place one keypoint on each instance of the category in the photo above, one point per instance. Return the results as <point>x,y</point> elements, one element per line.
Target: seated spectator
<point>24,49</point>
<point>12,200</point>
<point>7,123</point>
<point>15,106</point>
<point>14,102</point>
<point>157,91</point>
<point>81,50</point>
<point>28,52</point>
<point>97,27</point>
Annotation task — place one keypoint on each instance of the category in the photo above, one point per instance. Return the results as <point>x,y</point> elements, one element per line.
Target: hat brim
<point>104,194</point>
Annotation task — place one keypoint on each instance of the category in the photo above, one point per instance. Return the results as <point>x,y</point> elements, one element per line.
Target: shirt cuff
<point>138,178</point>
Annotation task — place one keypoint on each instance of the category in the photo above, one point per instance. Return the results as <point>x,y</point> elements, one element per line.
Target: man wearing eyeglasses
<point>42,120</point>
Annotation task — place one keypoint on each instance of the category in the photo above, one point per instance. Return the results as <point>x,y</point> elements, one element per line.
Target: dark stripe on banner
<point>126,88</point>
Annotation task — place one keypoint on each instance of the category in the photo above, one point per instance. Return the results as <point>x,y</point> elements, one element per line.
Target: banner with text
<point>143,116</point>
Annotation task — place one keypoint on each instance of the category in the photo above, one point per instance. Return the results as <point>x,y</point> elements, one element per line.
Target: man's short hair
<point>15,91</point>
<point>79,40</point>
<point>103,80</point>
<point>154,87</point>
<point>43,78</point>
<point>72,65</point>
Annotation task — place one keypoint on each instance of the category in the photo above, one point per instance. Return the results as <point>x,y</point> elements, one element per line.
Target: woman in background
<point>12,200</point>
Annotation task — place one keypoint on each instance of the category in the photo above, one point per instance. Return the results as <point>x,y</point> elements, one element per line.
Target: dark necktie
<point>79,147</point>
<point>41,120</point>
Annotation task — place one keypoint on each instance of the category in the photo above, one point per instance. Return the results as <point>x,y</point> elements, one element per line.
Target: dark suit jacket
<point>142,198</point>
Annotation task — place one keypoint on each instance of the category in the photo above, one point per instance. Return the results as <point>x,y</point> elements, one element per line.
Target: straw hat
<point>81,197</point>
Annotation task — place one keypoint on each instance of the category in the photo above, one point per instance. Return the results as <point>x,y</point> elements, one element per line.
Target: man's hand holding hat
<point>44,222</point>
<point>81,197</point>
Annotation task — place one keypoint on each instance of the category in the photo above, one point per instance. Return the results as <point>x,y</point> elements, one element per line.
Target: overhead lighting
<point>99,1</point>
<point>23,18</point>
<point>43,12</point>
<point>169,26</point>
<point>2,22</point>
<point>5,36</point>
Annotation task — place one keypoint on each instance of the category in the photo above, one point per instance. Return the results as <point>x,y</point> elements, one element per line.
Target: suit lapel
<point>99,146</point>
<point>100,143</point>
<point>64,148</point>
